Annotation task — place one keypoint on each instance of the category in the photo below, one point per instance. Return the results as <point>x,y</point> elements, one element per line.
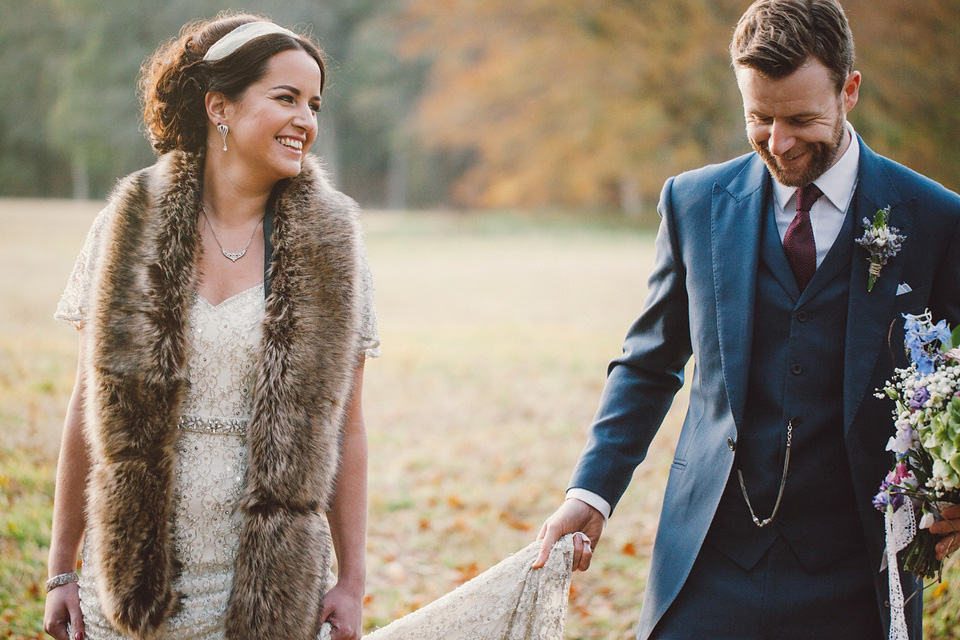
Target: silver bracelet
<point>60,580</point>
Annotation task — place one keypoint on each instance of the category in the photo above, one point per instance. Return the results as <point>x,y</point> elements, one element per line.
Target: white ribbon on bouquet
<point>901,527</point>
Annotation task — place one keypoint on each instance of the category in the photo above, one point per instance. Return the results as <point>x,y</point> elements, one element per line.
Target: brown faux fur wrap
<point>136,381</point>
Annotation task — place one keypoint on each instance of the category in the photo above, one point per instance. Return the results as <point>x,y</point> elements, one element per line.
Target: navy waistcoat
<point>796,374</point>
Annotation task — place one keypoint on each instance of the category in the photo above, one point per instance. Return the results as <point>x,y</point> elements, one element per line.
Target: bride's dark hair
<point>176,78</point>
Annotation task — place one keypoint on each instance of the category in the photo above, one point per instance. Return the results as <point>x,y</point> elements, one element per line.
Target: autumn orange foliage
<point>574,103</point>
<point>592,104</point>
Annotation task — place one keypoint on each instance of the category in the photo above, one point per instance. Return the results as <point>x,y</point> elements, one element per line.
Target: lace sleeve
<point>73,303</point>
<point>511,601</point>
<point>369,335</point>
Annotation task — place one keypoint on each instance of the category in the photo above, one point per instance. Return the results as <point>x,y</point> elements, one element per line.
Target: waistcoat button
<point>731,444</point>
<point>796,368</point>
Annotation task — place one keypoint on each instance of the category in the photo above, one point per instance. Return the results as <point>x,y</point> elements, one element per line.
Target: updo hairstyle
<point>176,78</point>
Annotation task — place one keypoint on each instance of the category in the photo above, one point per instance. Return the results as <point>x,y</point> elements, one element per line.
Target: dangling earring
<point>223,129</point>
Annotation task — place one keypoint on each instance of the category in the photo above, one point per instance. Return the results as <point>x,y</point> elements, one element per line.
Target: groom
<point>767,528</point>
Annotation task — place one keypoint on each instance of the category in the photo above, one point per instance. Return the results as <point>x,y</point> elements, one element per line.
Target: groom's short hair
<point>775,37</point>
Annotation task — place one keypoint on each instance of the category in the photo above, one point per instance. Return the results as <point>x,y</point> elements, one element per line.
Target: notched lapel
<point>736,223</point>
<point>869,314</point>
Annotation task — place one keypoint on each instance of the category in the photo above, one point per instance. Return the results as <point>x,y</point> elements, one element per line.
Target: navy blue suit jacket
<point>700,303</point>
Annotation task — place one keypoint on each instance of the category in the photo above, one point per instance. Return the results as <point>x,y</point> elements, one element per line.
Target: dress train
<point>510,601</point>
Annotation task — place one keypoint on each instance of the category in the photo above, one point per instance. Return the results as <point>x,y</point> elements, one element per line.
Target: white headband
<point>241,36</point>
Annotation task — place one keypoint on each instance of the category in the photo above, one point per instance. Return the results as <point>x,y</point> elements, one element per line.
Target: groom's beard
<point>822,158</point>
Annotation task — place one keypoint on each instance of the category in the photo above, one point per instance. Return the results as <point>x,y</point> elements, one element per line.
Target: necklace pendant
<point>233,256</point>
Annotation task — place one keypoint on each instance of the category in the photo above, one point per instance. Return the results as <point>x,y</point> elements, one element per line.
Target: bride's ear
<point>217,107</point>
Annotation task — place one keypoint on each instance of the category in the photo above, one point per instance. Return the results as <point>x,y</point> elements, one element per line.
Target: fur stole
<point>136,381</point>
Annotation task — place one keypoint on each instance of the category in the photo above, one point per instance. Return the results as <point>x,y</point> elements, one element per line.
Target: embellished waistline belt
<point>214,426</point>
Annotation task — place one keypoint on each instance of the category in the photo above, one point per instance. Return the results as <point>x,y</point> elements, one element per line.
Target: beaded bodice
<point>221,356</point>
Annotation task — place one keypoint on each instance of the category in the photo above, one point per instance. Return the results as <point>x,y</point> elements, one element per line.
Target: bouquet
<point>926,473</point>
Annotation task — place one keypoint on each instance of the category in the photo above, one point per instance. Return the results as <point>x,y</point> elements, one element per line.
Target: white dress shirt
<point>826,217</point>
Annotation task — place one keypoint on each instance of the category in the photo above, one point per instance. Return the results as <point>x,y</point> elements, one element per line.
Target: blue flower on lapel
<point>881,241</point>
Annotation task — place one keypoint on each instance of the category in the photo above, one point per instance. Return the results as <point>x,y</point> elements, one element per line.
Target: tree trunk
<point>81,177</point>
<point>397,177</point>
<point>326,146</point>
<point>631,203</point>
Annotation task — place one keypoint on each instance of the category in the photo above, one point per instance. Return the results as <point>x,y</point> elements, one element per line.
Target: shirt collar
<point>837,183</point>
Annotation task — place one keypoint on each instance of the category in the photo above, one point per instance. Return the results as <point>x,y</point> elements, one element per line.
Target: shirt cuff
<point>592,499</point>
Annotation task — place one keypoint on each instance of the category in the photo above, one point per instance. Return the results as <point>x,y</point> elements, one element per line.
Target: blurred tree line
<point>575,104</point>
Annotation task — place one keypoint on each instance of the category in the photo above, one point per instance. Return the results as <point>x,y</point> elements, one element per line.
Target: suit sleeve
<point>641,383</point>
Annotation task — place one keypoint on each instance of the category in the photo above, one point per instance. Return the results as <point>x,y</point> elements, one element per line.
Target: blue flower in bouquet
<point>923,340</point>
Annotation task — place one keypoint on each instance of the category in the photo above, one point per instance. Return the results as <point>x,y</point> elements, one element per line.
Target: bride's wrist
<point>353,584</point>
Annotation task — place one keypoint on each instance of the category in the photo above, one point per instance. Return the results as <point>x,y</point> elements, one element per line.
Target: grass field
<point>496,333</point>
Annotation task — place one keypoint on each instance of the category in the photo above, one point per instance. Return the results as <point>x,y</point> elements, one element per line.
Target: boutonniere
<point>881,241</point>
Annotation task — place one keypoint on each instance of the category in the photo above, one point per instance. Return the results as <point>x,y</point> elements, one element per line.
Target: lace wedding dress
<point>508,602</point>
<point>511,601</point>
<point>211,448</point>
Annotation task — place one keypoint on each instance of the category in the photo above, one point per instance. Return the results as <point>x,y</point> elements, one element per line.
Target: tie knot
<point>806,196</point>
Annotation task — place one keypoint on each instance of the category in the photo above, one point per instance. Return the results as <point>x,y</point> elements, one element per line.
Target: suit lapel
<point>870,313</point>
<point>736,227</point>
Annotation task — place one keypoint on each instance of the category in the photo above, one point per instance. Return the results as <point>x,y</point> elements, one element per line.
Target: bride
<point>214,450</point>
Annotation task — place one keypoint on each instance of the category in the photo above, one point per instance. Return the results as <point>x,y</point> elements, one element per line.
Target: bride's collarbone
<point>221,279</point>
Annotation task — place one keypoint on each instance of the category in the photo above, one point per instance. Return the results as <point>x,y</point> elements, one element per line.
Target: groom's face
<point>796,123</point>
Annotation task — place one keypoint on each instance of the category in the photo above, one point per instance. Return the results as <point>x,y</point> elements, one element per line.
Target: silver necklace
<point>783,483</point>
<point>232,256</point>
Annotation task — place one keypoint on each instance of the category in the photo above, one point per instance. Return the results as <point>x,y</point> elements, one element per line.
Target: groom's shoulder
<point>720,172</point>
<point>697,185</point>
<point>912,184</point>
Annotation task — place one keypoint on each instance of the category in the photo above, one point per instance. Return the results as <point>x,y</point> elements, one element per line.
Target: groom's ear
<point>851,91</point>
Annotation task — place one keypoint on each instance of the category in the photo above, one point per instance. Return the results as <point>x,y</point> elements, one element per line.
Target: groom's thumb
<point>549,534</point>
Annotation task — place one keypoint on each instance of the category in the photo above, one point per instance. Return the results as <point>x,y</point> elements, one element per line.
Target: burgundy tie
<point>798,241</point>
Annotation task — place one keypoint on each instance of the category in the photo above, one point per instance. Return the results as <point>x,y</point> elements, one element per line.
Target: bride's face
<point>274,122</point>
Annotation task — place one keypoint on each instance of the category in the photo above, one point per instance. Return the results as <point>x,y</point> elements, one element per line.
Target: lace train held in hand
<point>510,601</point>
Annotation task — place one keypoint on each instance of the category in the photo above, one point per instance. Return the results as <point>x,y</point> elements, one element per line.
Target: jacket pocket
<point>913,302</point>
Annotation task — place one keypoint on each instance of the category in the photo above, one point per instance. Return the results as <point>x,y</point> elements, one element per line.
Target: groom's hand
<point>950,528</point>
<point>572,516</point>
